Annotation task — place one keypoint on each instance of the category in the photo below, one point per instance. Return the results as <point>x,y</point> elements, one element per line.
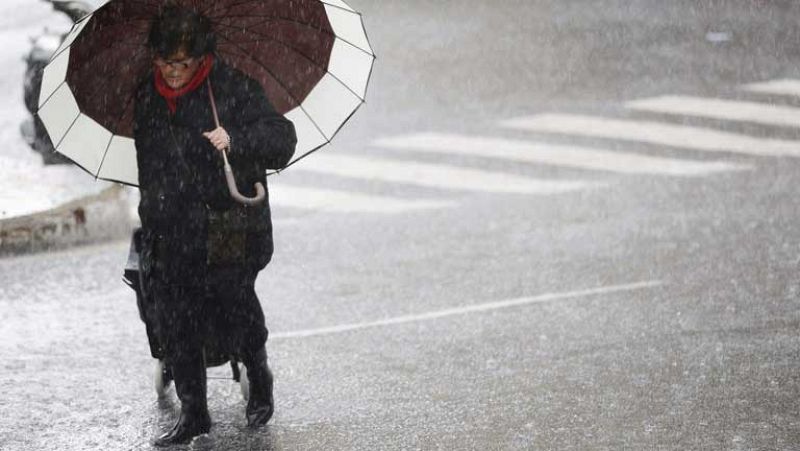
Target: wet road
<point>522,257</point>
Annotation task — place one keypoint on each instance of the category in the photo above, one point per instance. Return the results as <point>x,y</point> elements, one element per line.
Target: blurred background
<point>553,225</point>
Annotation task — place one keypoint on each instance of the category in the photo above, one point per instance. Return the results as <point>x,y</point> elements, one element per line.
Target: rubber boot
<point>260,404</point>
<point>190,386</point>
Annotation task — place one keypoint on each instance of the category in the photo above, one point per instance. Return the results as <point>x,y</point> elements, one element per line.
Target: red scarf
<point>171,95</point>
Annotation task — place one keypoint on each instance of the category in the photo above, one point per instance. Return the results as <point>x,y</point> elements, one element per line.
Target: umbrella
<point>312,57</point>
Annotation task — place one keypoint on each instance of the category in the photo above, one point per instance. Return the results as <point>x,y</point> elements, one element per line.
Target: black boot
<point>260,404</point>
<point>190,385</point>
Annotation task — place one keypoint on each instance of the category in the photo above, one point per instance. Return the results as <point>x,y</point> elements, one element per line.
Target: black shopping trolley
<point>162,377</point>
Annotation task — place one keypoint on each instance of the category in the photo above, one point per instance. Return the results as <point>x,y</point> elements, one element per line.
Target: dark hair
<point>176,28</point>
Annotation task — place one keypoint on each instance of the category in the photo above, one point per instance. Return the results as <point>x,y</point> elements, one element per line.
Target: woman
<point>202,250</point>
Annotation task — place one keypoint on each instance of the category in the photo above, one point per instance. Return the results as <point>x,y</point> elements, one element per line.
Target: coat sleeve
<point>259,132</point>
<point>141,138</point>
<point>148,176</point>
<point>146,165</point>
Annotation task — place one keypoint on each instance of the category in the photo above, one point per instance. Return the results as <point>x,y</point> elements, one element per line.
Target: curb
<point>100,217</point>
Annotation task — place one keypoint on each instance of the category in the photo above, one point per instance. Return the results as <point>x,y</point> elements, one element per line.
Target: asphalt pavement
<point>547,236</point>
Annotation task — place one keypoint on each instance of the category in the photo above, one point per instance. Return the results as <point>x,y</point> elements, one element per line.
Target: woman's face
<point>178,69</point>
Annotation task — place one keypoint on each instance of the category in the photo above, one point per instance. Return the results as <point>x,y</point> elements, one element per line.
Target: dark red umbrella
<point>312,58</point>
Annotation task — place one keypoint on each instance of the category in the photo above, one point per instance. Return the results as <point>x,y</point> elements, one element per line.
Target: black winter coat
<point>176,196</point>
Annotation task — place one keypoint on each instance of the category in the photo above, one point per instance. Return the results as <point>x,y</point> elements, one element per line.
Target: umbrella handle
<point>237,196</point>
<point>261,193</point>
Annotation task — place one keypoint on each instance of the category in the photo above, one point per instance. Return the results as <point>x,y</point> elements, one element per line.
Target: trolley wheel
<point>244,382</point>
<point>162,378</point>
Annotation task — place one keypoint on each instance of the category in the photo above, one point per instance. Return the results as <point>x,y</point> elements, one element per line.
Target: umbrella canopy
<point>312,57</point>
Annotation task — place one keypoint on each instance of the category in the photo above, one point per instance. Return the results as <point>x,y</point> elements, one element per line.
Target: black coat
<point>177,195</point>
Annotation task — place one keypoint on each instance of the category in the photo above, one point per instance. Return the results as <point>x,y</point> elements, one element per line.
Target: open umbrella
<point>312,58</point>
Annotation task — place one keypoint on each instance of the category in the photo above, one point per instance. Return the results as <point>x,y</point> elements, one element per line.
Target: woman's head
<point>179,38</point>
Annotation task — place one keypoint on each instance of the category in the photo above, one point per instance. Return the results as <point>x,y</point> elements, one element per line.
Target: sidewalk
<point>51,207</point>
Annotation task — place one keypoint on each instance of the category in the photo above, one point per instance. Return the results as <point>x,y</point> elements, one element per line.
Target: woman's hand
<point>219,138</point>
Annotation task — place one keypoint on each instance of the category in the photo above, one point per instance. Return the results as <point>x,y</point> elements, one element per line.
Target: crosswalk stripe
<point>731,110</point>
<point>569,156</point>
<point>338,201</point>
<point>694,138</point>
<point>788,87</point>
<point>435,175</point>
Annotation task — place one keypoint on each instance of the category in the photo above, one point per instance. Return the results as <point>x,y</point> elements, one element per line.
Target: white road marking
<point>337,201</point>
<point>435,175</point>
<point>694,138</point>
<point>787,87</point>
<point>477,308</point>
<point>550,154</point>
<point>730,110</point>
